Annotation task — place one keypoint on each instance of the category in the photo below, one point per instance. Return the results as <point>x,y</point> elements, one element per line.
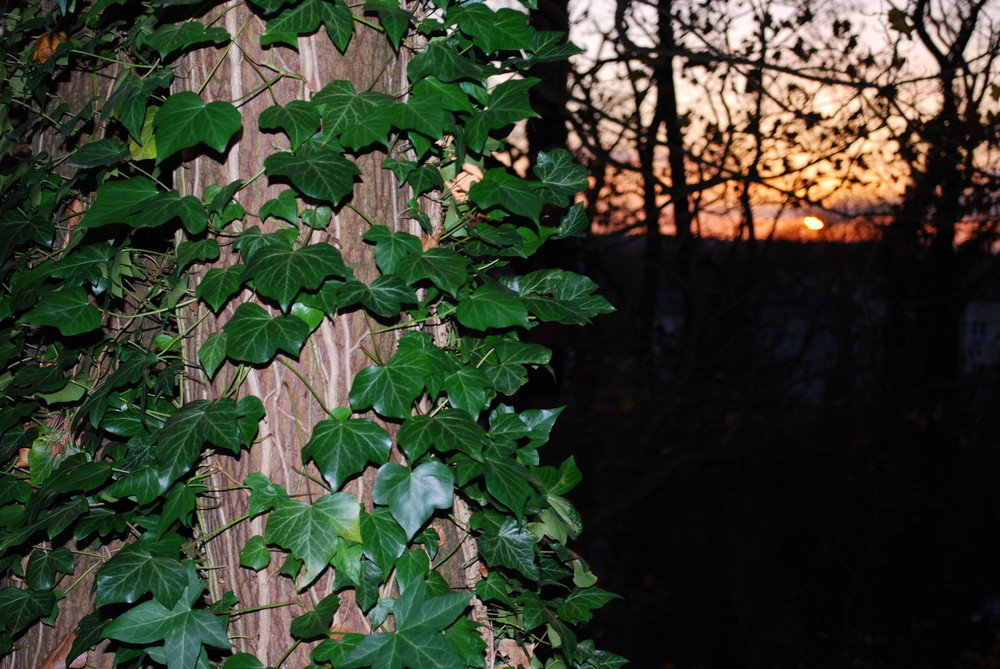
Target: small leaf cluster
<point>104,455</point>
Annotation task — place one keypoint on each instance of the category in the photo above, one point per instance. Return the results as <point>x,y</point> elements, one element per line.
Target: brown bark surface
<point>334,353</point>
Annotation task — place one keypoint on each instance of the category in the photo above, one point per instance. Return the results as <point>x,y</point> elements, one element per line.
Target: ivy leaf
<point>138,569</point>
<point>384,297</point>
<point>196,251</point>
<point>499,189</point>
<point>574,223</point>
<point>511,545</point>
<point>391,388</point>
<point>344,109</point>
<point>441,60</point>
<point>449,430</point>
<point>560,295</point>
<point>492,31</point>
<point>417,641</point>
<point>69,310</point>
<point>563,177</point>
<point>23,607</point>
<point>445,268</point>
<point>182,629</point>
<point>195,424</point>
<point>264,495</point>
<point>578,607</point>
<point>282,274</point>
<point>342,449</point>
<point>40,573</point>
<point>382,538</point>
<point>412,496</point>
<point>507,482</point>
<point>391,246</point>
<point>243,661</point>
<point>317,622</point>
<point>212,353</point>
<point>171,37</point>
<point>298,119</point>
<point>309,531</point>
<point>507,104</point>
<point>253,336</point>
<point>103,152</point>
<point>254,554</point>
<point>466,389</point>
<point>117,201</point>
<point>185,120</point>
<point>492,306</point>
<point>394,19</point>
<point>315,170</point>
<point>219,284</point>
<point>306,18</point>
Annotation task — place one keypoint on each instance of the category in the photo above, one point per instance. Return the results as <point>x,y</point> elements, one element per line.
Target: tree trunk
<point>333,354</point>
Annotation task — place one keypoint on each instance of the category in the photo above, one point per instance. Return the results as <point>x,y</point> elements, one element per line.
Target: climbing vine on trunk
<point>109,270</point>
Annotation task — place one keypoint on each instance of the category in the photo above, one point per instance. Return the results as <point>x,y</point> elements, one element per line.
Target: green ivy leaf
<point>316,623</point>
<point>309,531</point>
<point>417,641</point>
<point>68,310</point>
<point>507,482</point>
<point>212,353</point>
<point>264,495</point>
<point>394,19</point>
<point>305,18</point>
<point>253,336</point>
<point>499,189</point>
<point>391,246</point>
<point>466,389</point>
<point>298,119</point>
<point>103,152</point>
<point>441,60</point>
<point>384,297</point>
<point>282,274</point>
<point>254,554</point>
<point>315,170</point>
<point>218,285</point>
<point>243,661</point>
<point>182,629</point>
<point>23,607</point>
<point>195,424</point>
<point>412,496</point>
<point>185,120</point>
<point>563,177</point>
<point>449,430</point>
<point>492,31</point>
<point>511,545</point>
<point>382,538</point>
<point>445,268</point>
<point>343,109</point>
<point>560,295</point>
<point>341,449</point>
<point>172,37</point>
<point>492,306</point>
<point>141,568</point>
<point>391,388</point>
<point>196,251</point>
<point>575,223</point>
<point>578,607</point>
<point>40,573</point>
<point>507,104</point>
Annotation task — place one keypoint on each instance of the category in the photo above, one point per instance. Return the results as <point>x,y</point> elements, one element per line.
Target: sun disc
<point>813,222</point>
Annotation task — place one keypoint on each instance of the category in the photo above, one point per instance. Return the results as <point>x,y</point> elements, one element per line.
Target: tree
<point>249,319</point>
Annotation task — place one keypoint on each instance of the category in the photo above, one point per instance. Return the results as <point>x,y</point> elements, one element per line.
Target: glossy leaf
<point>282,274</point>
<point>342,449</point>
<point>391,388</point>
<point>391,246</point>
<point>136,570</point>
<point>511,545</point>
<point>316,623</point>
<point>67,310</point>
<point>298,119</point>
<point>492,306</point>
<point>445,268</point>
<point>23,607</point>
<point>449,430</point>
<point>186,120</point>
<point>382,538</point>
<point>252,335</point>
<point>255,554</point>
<point>182,629</point>
<point>103,152</point>
<point>218,285</point>
<point>309,531</point>
<point>412,496</point>
<point>315,170</point>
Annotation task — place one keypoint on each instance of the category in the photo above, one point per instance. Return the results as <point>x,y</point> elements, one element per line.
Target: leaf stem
<point>305,382</point>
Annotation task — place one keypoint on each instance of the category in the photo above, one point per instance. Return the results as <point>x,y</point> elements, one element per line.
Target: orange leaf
<point>46,45</point>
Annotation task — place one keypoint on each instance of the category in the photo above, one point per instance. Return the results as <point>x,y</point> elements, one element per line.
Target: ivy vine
<point>101,448</point>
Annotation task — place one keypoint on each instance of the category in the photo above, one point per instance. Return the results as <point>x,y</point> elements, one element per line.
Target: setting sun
<point>813,222</point>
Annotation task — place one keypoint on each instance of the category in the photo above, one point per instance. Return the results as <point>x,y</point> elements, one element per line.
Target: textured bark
<point>335,352</point>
